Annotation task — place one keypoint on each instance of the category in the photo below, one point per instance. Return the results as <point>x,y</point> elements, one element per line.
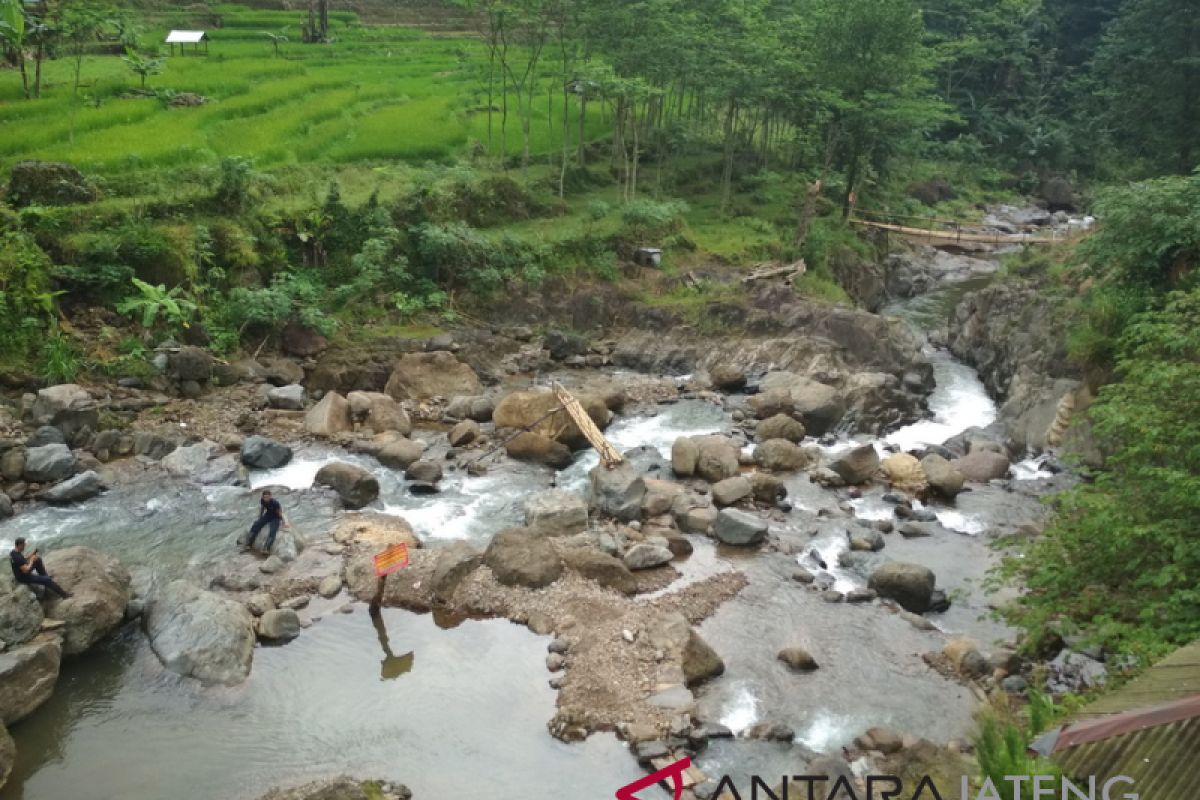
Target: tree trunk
<point>24,74</point>
<point>727,171</point>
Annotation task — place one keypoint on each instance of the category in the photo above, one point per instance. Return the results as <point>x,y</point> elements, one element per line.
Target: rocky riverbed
<point>791,554</point>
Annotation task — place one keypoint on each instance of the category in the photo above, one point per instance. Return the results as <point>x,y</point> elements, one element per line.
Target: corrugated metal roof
<point>1148,730</point>
<point>1162,760</point>
<point>185,37</point>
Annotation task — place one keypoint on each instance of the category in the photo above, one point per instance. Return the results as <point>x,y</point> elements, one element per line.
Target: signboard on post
<point>390,560</point>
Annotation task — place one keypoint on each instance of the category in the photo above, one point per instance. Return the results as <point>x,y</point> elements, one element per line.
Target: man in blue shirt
<point>31,570</point>
<point>270,515</point>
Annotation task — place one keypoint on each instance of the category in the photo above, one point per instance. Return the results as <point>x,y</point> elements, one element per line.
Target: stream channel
<point>461,712</point>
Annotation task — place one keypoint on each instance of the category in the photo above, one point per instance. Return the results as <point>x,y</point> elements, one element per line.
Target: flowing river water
<point>461,712</point>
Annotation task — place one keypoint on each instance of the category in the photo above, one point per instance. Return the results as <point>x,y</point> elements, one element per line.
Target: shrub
<point>26,302</point>
<point>650,220</point>
<point>1121,558</point>
<point>60,360</point>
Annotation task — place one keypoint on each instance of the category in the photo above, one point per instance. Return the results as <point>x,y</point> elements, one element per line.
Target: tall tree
<point>1148,71</point>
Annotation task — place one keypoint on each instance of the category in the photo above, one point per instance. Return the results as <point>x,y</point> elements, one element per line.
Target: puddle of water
<point>463,714</point>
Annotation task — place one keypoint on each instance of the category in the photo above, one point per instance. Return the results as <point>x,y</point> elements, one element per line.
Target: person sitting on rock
<point>270,514</point>
<point>31,570</point>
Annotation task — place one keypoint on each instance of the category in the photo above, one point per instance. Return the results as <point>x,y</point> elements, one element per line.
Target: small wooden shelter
<point>183,38</point>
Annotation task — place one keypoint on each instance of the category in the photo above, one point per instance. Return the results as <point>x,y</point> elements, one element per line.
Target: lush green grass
<point>375,94</point>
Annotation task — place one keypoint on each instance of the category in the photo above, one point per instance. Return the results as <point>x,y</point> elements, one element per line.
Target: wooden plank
<point>608,454</point>
<point>958,235</point>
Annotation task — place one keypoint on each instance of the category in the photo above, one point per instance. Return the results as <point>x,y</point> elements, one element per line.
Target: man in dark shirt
<point>270,514</point>
<point>31,569</point>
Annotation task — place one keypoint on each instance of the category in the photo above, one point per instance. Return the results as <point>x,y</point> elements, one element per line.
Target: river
<point>461,712</point>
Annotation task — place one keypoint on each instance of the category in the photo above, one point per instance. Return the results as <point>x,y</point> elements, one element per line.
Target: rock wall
<point>1015,334</point>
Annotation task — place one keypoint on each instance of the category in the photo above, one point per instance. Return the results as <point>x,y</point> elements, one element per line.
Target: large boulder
<point>780,426</point>
<point>520,557</point>
<point>857,465</point>
<point>259,452</point>
<point>454,563</point>
<point>354,485</point>
<point>20,612</point>
<point>539,450</point>
<point>49,463</point>
<point>943,477</point>
<point>380,412</point>
<point>529,410</point>
<point>292,397</point>
<point>672,634</point>
<point>48,183</point>
<point>739,527</point>
<point>47,434</point>
<point>818,405</point>
<point>422,471</point>
<point>731,490</point>
<point>981,466</point>
<point>606,570</point>
<point>556,512</point>
<point>618,491</point>
<point>192,460</point>
<point>83,486</point>
<point>910,585</point>
<point>329,417</point>
<point>190,364</point>
<point>477,408</point>
<point>713,458</point>
<point>904,472</point>
<point>463,433</point>
<point>99,587</point>
<point>727,377</point>
<point>279,625</point>
<point>420,376</point>
<point>200,634</point>
<point>27,676</point>
<point>301,341</point>
<point>399,453</point>
<point>780,455</point>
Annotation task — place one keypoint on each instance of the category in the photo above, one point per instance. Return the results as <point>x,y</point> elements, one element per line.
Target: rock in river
<point>857,465</point>
<point>739,528</point>
<point>910,585</point>
<point>99,587</point>
<point>20,612</point>
<point>647,556</point>
<point>259,452</point>
<point>618,491</point>
<point>329,417</point>
<point>521,557</point>
<point>943,477</point>
<point>798,659</point>
<point>83,486</point>
<point>556,512</point>
<point>420,376</point>
<point>27,677</point>
<point>279,625</point>
<point>355,486</point>
<point>200,634</point>
<point>49,464</point>
<point>731,490</point>
<point>981,466</point>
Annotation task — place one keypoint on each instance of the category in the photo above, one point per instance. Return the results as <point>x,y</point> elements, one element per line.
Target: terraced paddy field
<point>377,93</point>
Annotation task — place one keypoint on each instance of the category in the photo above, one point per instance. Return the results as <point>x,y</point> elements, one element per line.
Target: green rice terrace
<point>376,93</point>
